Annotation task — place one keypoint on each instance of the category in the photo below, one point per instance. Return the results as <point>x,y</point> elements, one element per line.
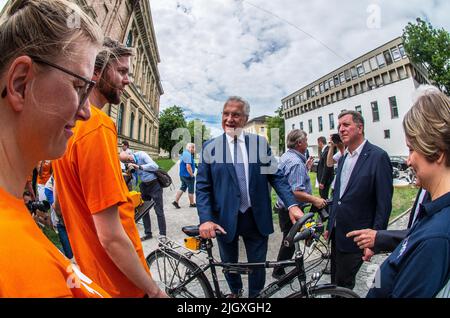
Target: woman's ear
<point>441,158</point>
<point>18,81</point>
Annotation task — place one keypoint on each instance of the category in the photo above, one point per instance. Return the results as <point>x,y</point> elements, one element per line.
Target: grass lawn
<point>165,164</point>
<point>52,236</point>
<point>402,199</point>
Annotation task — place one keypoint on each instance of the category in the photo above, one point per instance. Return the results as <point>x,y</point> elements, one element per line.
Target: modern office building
<point>379,84</point>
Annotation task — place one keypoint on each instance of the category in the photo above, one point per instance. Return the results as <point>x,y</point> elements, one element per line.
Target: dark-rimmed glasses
<point>83,92</point>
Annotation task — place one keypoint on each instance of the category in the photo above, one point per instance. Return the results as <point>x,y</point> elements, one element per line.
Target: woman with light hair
<point>420,266</point>
<point>46,66</point>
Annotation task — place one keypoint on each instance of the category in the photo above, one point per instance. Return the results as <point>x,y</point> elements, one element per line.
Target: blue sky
<point>264,50</point>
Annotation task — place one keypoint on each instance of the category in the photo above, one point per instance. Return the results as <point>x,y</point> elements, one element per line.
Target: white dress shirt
<point>348,165</point>
<point>241,143</point>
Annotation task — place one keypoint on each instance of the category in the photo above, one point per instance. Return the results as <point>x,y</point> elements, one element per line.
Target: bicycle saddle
<point>191,230</point>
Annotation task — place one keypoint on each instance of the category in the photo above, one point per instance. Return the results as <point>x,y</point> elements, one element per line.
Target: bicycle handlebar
<point>289,240</point>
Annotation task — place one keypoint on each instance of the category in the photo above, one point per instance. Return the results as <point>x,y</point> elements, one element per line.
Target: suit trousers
<point>344,266</point>
<point>152,190</point>
<point>325,191</point>
<point>256,249</point>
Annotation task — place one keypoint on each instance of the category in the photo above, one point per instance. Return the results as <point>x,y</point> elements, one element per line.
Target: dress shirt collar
<point>240,138</point>
<point>357,151</point>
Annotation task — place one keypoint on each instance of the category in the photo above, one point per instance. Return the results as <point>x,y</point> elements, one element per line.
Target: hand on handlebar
<point>208,230</point>
<point>295,213</point>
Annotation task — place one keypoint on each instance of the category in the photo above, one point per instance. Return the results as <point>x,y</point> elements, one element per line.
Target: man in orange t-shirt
<point>94,200</point>
<point>31,266</point>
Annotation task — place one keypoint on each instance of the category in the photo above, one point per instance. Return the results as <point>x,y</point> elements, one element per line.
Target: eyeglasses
<point>83,92</point>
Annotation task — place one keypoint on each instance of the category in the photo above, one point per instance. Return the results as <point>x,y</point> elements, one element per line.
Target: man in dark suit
<point>324,173</point>
<point>374,242</point>
<point>362,197</point>
<point>233,194</point>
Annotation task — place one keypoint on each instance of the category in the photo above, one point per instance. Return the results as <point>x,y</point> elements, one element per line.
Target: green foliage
<point>277,122</point>
<point>170,119</point>
<point>196,126</point>
<point>431,48</point>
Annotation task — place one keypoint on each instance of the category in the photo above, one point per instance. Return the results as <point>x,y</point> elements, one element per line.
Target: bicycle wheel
<point>169,269</point>
<point>326,292</point>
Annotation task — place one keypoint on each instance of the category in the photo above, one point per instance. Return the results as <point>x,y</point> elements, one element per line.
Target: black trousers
<point>325,191</point>
<point>344,266</point>
<point>152,190</point>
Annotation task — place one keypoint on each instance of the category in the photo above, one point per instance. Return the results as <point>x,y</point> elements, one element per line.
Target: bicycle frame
<point>245,268</point>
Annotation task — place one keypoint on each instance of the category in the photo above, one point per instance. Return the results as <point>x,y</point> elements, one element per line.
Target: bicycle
<point>173,266</point>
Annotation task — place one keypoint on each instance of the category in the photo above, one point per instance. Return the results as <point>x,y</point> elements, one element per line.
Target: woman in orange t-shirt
<point>40,102</point>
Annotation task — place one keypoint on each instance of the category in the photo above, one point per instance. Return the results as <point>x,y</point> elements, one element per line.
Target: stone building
<point>130,22</point>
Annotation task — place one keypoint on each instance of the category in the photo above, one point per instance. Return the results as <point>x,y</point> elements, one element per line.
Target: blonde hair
<point>44,29</point>
<point>427,124</point>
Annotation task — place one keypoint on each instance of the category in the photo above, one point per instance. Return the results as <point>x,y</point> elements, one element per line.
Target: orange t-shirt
<point>44,171</point>
<point>88,180</point>
<point>30,265</point>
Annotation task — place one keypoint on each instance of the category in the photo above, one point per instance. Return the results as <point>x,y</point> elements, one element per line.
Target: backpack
<point>163,178</point>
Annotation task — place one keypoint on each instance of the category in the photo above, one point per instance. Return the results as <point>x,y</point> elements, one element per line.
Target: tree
<point>170,119</point>
<point>197,126</point>
<point>431,48</point>
<point>277,122</point>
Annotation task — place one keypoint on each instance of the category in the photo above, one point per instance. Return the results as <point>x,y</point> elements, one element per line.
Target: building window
<point>354,72</point>
<point>145,133</point>
<point>342,77</point>
<point>358,109</point>
<point>396,54</point>
<point>381,61</point>
<point>262,129</point>
<point>301,125</point>
<point>131,125</point>
<point>130,39</point>
<point>387,134</point>
<point>310,126</point>
<point>393,106</point>
<point>366,66</point>
<point>293,126</point>
<point>402,50</point>
<point>387,57</point>
<point>347,75</point>
<point>139,128</point>
<point>336,80</point>
<point>373,63</point>
<point>321,88</point>
<point>320,123</point>
<point>331,118</point>
<point>360,70</point>
<point>375,113</point>
<point>120,119</point>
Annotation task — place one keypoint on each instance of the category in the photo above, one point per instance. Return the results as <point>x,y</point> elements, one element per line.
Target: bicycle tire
<point>169,269</point>
<point>326,292</point>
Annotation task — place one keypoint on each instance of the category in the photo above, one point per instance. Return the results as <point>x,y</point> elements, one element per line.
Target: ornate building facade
<point>136,117</point>
<point>130,22</point>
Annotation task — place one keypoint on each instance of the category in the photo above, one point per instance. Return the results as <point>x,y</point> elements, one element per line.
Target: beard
<point>109,91</point>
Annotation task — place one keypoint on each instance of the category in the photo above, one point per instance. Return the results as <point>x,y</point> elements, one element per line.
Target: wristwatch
<point>140,167</point>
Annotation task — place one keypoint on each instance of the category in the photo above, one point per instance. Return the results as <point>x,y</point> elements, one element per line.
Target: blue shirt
<point>293,165</point>
<point>420,265</point>
<point>186,158</point>
<point>147,166</point>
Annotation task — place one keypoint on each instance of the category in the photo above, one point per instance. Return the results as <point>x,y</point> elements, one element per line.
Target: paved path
<point>177,218</point>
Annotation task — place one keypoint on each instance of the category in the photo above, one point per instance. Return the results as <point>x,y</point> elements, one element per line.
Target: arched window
<point>139,128</point>
<point>120,119</point>
<point>131,125</point>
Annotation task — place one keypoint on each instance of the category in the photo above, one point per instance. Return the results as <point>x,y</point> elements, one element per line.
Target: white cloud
<point>262,51</point>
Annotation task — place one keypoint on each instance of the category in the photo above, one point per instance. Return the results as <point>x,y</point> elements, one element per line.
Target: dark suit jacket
<point>217,190</point>
<point>388,240</point>
<point>367,200</point>
<point>324,173</point>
